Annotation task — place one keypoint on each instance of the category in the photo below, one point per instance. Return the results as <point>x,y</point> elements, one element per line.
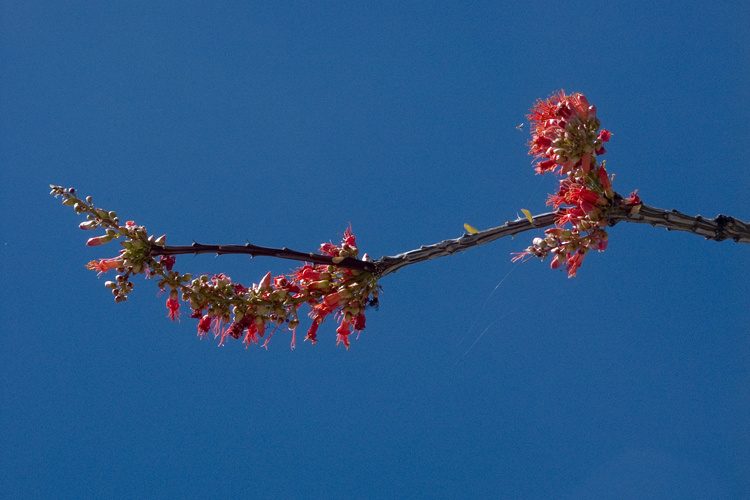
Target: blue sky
<point>281,123</point>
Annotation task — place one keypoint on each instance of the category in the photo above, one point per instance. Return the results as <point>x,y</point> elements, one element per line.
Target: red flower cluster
<point>327,289</point>
<point>564,132</point>
<point>227,308</point>
<point>330,289</point>
<point>566,140</point>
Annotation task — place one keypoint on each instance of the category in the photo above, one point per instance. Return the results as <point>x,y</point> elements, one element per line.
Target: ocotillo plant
<point>566,140</point>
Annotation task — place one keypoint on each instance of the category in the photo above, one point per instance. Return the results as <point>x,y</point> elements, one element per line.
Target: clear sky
<point>280,123</point>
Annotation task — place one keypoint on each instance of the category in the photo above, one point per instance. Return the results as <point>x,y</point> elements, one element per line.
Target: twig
<point>719,228</point>
<point>257,251</point>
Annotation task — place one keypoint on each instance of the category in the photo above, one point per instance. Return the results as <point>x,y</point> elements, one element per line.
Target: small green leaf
<point>528,216</point>
<point>470,229</point>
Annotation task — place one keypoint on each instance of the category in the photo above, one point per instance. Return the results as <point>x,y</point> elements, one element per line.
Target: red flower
<point>343,333</point>
<point>573,262</point>
<point>204,325</point>
<point>294,338</point>
<point>330,249</point>
<point>601,240</point>
<point>167,261</point>
<point>348,246</point>
<point>633,199</point>
<point>333,300</point>
<point>312,334</point>
<point>349,239</point>
<point>104,265</point>
<point>359,322</point>
<point>570,215</point>
<point>173,305</point>
<point>604,179</point>
<point>252,336</point>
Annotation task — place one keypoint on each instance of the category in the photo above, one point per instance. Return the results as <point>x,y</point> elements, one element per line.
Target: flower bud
<point>264,283</point>
<point>557,261</point>
<point>323,285</point>
<point>99,240</point>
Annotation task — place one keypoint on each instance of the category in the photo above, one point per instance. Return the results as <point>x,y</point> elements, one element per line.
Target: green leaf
<point>470,229</point>
<point>528,216</point>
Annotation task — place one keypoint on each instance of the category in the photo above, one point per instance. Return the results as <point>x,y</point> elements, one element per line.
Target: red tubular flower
<point>570,215</point>
<point>312,334</point>
<point>601,240</point>
<point>349,239</point>
<point>104,265</point>
<point>545,166</point>
<point>586,162</point>
<point>167,261</point>
<point>577,194</point>
<point>330,249</point>
<point>333,300</point>
<point>343,333</point>
<point>557,261</point>
<point>633,199</point>
<point>173,305</point>
<point>307,272</point>
<point>573,262</point>
<point>260,326</point>
<point>252,336</point>
<point>204,325</point>
<point>604,179</point>
<point>359,322</point>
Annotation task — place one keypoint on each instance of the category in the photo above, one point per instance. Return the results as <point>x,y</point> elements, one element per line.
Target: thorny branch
<point>719,228</point>
<point>258,251</point>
